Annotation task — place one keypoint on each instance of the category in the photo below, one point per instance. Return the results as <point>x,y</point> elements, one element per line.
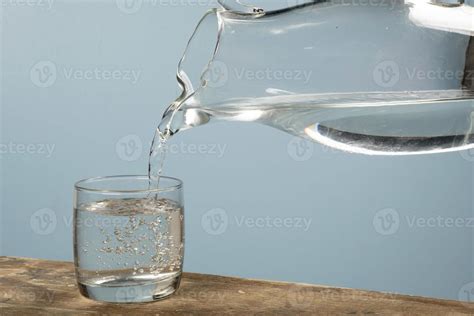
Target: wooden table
<point>41,287</point>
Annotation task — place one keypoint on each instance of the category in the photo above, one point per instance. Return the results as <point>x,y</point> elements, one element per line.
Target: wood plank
<point>41,287</point>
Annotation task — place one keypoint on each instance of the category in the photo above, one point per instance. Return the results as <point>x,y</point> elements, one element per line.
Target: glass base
<point>131,290</point>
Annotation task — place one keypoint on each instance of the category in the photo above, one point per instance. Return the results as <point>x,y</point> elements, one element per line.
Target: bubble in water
<point>142,229</point>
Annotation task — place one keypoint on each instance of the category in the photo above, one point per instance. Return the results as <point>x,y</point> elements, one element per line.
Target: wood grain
<point>41,287</point>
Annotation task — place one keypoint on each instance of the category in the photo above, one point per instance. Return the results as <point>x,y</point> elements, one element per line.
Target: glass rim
<point>81,185</point>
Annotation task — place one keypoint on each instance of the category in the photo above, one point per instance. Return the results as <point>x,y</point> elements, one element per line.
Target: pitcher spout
<point>386,79</point>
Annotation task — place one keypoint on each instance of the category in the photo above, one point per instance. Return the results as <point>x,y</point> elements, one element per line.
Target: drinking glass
<point>128,238</point>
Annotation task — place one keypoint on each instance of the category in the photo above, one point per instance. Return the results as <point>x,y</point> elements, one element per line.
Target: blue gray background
<point>247,174</point>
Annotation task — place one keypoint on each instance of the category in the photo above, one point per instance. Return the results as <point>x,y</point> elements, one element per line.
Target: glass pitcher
<point>384,77</point>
